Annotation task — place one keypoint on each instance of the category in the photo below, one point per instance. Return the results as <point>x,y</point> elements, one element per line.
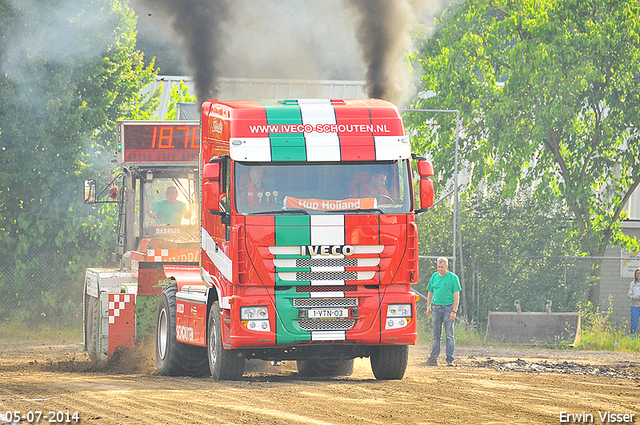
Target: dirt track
<point>487,386</point>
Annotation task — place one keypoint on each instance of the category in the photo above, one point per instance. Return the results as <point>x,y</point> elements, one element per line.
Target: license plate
<point>328,313</point>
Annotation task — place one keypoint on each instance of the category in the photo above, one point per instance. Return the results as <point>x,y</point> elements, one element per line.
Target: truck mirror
<point>426,192</point>
<point>211,195</point>
<point>90,191</point>
<point>425,170</point>
<point>211,186</point>
<point>211,171</point>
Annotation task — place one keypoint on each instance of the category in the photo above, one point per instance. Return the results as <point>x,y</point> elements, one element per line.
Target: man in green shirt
<point>169,211</point>
<point>443,297</point>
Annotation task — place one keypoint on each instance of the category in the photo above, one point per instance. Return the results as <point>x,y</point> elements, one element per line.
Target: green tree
<point>549,95</point>
<point>69,71</point>
<point>513,249</point>
<point>178,94</point>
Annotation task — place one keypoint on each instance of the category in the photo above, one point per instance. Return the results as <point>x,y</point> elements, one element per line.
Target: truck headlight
<point>398,316</point>
<point>399,310</point>
<point>255,318</point>
<point>254,313</point>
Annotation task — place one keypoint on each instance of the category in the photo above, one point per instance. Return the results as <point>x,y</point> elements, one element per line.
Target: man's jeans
<point>440,316</point>
<point>635,314</point>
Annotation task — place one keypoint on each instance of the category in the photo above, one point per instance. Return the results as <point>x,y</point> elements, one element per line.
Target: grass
<point>597,334</point>
<point>600,334</point>
<point>609,341</point>
<point>466,335</point>
<point>21,331</point>
<point>590,340</point>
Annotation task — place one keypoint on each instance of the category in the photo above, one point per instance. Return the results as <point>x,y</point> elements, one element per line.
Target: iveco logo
<point>345,250</point>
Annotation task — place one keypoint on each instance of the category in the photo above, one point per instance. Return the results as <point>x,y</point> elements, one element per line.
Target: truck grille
<point>328,262</point>
<point>363,266</point>
<point>324,302</point>
<point>326,324</point>
<point>326,288</point>
<point>328,275</point>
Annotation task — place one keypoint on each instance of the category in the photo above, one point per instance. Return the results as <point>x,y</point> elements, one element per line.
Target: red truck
<point>309,244</point>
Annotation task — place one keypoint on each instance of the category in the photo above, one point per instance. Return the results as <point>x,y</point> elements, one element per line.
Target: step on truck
<point>309,242</point>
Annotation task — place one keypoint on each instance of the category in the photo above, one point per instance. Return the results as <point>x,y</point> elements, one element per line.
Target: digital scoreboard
<point>158,142</point>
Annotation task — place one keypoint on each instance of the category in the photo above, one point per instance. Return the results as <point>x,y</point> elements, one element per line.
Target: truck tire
<point>92,327</point>
<point>325,367</point>
<point>223,364</point>
<point>390,361</point>
<point>173,357</point>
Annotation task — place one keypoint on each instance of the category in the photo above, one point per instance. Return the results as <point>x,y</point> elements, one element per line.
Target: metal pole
<point>457,194</point>
<point>456,216</point>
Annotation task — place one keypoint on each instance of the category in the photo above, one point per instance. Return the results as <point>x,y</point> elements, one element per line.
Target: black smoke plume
<point>383,32</point>
<point>265,43</point>
<point>198,24</point>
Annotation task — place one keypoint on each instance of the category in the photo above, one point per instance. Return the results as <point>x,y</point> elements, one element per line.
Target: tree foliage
<point>549,95</point>
<point>513,250</point>
<point>179,94</point>
<point>69,71</point>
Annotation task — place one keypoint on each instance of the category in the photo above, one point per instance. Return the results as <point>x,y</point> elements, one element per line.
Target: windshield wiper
<point>281,212</point>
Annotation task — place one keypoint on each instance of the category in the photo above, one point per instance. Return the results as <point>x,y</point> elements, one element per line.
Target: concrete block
<point>531,328</point>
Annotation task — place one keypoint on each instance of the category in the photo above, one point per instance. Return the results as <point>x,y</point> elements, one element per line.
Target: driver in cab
<point>374,187</point>
<point>169,211</point>
<point>253,192</point>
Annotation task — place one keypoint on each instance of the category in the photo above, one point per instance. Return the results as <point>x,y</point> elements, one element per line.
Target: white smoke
<point>287,39</point>
<point>69,30</point>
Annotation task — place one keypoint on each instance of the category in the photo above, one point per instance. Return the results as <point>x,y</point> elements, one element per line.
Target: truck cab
<point>309,242</point>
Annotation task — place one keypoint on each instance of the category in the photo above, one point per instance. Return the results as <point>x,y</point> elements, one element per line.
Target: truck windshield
<point>323,188</point>
<point>170,209</point>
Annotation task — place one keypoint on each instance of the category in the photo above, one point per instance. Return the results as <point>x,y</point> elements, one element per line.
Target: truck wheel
<point>390,361</point>
<point>223,364</point>
<point>325,367</point>
<point>173,357</point>
<point>92,327</point>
